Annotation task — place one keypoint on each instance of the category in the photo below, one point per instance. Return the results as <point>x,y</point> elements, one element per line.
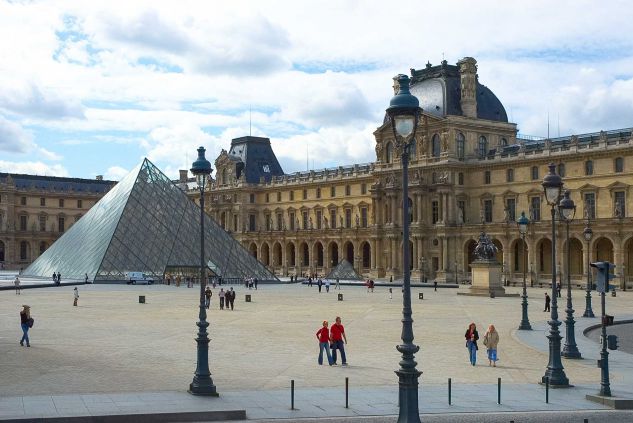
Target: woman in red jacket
<point>323,335</point>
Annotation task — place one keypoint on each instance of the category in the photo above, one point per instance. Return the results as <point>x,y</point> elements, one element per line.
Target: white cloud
<point>115,173</point>
<point>13,138</point>
<point>33,168</point>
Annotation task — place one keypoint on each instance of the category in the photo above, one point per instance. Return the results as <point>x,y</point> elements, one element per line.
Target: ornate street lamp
<point>567,210</point>
<point>588,234</point>
<point>523,223</point>
<point>404,113</point>
<point>553,185</point>
<point>202,383</point>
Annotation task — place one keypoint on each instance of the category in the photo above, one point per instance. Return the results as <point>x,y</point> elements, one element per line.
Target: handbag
<point>30,322</point>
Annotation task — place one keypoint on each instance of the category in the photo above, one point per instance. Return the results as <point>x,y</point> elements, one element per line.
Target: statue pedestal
<point>486,280</point>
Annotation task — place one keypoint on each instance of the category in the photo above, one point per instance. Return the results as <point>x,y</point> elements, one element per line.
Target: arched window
<point>435,145</point>
<point>588,168</point>
<point>619,164</point>
<point>389,153</point>
<point>24,250</point>
<point>561,170</point>
<point>42,247</point>
<point>461,141</point>
<point>504,142</point>
<point>412,150</point>
<point>534,173</point>
<point>482,147</point>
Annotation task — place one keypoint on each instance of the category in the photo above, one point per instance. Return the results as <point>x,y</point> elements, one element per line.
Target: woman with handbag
<point>471,342</point>
<point>491,340</point>
<point>26,322</point>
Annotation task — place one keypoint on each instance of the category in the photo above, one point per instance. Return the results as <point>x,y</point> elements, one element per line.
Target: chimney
<point>99,177</point>
<point>184,174</point>
<point>468,77</point>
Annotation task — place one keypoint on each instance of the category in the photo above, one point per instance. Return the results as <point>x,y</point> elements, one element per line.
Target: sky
<point>92,87</point>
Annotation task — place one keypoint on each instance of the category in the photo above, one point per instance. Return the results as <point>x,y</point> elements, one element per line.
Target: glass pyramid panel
<point>157,226</point>
<point>344,271</point>
<point>81,249</point>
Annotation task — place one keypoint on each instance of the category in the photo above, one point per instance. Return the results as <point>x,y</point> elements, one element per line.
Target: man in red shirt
<point>337,334</point>
<point>323,335</point>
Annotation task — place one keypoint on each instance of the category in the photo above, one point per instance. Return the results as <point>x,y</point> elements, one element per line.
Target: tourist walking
<point>327,285</point>
<point>471,342</point>
<point>54,278</point>
<point>337,335</point>
<point>548,300</point>
<point>491,340</point>
<point>255,281</point>
<point>310,281</point>
<point>26,322</point>
<point>319,284</point>
<point>435,285</point>
<point>76,296</point>
<point>230,296</point>
<point>221,294</point>
<point>558,288</point>
<point>59,278</point>
<point>390,293</point>
<point>16,282</point>
<point>207,297</point>
<point>371,285</point>
<point>323,335</point>
<point>86,279</point>
<point>337,286</point>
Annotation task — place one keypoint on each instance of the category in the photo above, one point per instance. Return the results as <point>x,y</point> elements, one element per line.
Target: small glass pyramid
<point>144,224</point>
<point>344,271</point>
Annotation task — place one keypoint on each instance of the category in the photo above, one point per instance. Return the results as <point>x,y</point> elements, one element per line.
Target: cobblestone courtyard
<point>111,343</point>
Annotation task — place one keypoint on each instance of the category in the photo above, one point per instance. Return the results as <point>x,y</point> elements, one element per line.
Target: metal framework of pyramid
<point>144,224</point>
<point>344,271</point>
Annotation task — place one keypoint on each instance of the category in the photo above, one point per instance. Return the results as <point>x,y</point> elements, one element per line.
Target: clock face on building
<point>266,168</point>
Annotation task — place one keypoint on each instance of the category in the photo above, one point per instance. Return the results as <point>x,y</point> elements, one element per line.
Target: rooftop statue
<point>485,249</point>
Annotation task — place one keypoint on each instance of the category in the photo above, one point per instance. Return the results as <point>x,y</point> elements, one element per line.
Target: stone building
<point>470,171</point>
<point>36,210</point>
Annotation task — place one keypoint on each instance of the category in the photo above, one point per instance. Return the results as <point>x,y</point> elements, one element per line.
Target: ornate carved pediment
<point>588,187</point>
<point>222,160</point>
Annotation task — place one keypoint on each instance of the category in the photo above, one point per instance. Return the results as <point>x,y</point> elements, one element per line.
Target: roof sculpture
<point>146,224</point>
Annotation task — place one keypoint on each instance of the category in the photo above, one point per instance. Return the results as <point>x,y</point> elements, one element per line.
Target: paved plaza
<point>110,352</point>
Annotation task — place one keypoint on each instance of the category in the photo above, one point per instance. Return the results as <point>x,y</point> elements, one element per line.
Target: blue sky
<point>90,88</point>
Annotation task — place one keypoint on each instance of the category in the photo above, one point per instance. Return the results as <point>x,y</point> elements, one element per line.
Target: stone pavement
<point>112,355</point>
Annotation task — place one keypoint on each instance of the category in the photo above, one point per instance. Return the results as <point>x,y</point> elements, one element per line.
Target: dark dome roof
<point>439,90</point>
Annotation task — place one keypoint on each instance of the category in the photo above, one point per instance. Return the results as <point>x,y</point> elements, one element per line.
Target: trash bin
<point>340,297</point>
<point>248,298</point>
<point>141,299</point>
<point>613,294</point>
<point>421,295</point>
<point>492,294</point>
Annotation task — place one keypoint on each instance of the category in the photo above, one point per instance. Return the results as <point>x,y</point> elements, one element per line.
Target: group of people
<point>324,283</point>
<point>490,341</point>
<point>226,298</point>
<point>332,339</point>
<point>369,283</point>
<point>250,283</point>
<point>57,278</point>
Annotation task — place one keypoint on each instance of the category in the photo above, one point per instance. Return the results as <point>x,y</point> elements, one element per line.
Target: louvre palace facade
<point>36,210</point>
<point>469,172</point>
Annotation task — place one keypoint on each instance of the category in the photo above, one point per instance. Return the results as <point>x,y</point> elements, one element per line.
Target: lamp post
<point>523,224</point>
<point>588,234</point>
<point>552,185</point>
<point>202,383</point>
<point>567,211</point>
<point>404,112</point>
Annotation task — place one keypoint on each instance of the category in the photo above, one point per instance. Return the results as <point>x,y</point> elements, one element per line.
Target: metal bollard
<point>292,394</point>
<point>346,392</point>
<point>547,390</point>
<point>449,391</point>
<point>499,391</point>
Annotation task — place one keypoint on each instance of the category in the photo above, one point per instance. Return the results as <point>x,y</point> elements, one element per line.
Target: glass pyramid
<point>144,224</point>
<point>344,271</point>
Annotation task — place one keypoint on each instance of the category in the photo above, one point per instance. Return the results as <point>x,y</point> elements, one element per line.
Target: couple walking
<point>491,340</point>
<point>332,339</point>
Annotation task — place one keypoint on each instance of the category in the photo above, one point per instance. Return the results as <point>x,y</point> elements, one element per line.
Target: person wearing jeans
<point>471,342</point>
<point>337,333</point>
<point>323,335</point>
<point>25,315</point>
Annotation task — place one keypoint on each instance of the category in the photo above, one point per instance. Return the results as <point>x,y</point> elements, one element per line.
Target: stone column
<point>416,260</point>
<point>445,258</point>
